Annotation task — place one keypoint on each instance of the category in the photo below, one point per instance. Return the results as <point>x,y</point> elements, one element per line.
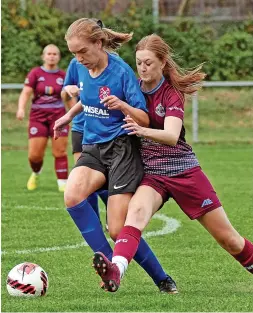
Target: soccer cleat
<point>168,286</point>
<point>33,181</point>
<point>62,188</point>
<point>62,184</point>
<point>108,271</point>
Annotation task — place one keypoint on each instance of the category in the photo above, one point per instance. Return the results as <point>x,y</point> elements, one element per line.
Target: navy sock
<point>89,225</point>
<point>103,194</point>
<point>93,201</point>
<point>148,261</point>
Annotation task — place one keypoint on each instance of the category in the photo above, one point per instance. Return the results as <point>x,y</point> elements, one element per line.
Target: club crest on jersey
<point>59,81</point>
<point>104,92</point>
<point>159,110</point>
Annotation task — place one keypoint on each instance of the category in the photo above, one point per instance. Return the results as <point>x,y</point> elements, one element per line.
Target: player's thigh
<point>117,207</point>
<point>38,135</point>
<point>36,148</point>
<point>143,205</point>
<point>59,147</point>
<point>126,170</point>
<point>218,225</point>
<point>82,182</point>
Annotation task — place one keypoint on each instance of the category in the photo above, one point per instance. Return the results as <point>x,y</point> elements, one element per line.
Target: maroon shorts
<point>42,125</point>
<point>191,190</point>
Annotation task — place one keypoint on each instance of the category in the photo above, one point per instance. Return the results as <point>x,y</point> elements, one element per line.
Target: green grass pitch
<point>37,228</point>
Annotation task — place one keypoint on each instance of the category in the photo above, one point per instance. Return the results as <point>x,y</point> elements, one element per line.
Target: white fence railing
<point>195,115</point>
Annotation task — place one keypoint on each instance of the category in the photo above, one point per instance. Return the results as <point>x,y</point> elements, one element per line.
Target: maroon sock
<point>245,257</point>
<point>36,166</point>
<point>61,167</point>
<point>127,242</point>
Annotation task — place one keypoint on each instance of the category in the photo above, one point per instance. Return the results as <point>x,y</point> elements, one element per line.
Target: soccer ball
<point>27,280</point>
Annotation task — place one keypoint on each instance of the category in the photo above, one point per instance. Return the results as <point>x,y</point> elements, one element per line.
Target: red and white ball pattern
<point>27,280</point>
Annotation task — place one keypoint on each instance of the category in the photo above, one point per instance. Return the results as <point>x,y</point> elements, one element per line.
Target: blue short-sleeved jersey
<point>73,79</point>
<point>118,79</point>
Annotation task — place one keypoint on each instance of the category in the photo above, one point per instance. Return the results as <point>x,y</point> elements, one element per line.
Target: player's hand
<point>20,114</point>
<point>60,124</point>
<point>113,103</point>
<point>133,127</point>
<point>72,90</point>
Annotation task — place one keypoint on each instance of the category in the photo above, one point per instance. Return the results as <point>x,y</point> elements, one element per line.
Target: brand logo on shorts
<point>249,267</point>
<point>118,187</point>
<point>33,130</point>
<point>159,110</point>
<point>59,81</point>
<point>121,240</point>
<point>104,92</point>
<point>206,202</point>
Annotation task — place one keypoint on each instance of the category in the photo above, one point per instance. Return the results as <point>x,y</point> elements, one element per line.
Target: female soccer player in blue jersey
<point>171,168</point>
<point>109,92</point>
<point>71,90</point>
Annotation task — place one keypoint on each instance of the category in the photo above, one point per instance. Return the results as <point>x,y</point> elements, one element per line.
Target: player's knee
<point>72,197</point>
<point>35,157</point>
<point>59,153</point>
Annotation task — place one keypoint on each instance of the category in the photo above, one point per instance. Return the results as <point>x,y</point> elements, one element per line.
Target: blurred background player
<point>170,166</point>
<point>45,83</point>
<point>110,91</point>
<point>70,92</point>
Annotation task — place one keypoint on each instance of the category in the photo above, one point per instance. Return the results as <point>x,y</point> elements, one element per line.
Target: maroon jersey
<point>161,159</point>
<point>47,86</point>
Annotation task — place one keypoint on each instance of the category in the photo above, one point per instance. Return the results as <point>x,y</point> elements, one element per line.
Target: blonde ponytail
<point>93,30</point>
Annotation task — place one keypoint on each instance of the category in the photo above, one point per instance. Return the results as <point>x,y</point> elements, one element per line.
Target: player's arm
<point>135,104</point>
<point>69,101</point>
<point>114,103</point>
<point>138,115</point>
<point>168,136</point>
<point>70,91</point>
<point>66,119</point>
<point>76,109</point>
<point>24,97</point>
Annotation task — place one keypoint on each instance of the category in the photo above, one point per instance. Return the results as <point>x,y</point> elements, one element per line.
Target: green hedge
<point>227,55</point>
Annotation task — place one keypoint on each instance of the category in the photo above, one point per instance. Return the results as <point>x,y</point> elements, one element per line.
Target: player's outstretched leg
<point>108,271</point>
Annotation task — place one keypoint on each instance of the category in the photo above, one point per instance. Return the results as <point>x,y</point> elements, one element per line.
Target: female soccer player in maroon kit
<point>45,83</point>
<point>171,168</point>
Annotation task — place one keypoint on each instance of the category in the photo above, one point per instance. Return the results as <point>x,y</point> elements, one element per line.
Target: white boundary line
<point>171,225</point>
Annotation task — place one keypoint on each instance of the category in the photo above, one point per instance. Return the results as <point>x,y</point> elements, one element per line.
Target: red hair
<point>186,81</point>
